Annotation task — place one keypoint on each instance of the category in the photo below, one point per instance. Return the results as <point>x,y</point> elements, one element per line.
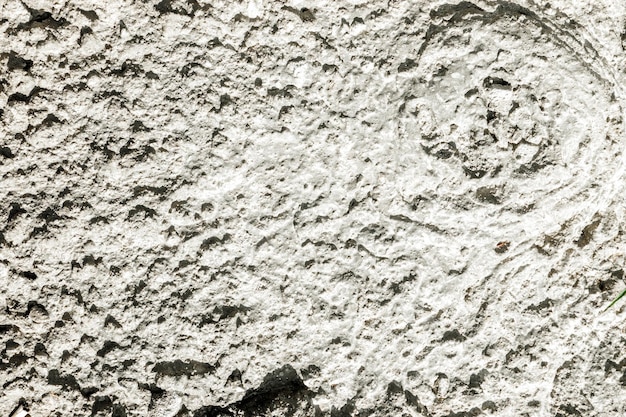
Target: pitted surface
<point>332,208</point>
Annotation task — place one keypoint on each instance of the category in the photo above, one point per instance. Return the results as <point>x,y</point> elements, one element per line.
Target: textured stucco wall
<point>329,208</point>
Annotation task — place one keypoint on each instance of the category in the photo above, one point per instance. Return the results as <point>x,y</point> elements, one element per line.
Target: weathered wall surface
<point>351,208</point>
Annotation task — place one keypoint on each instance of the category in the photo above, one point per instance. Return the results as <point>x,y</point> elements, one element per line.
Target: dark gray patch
<point>566,410</point>
<point>488,195</point>
<point>146,211</point>
<point>547,303</point>
<point>18,98</point>
<point>66,381</point>
<point>118,410</point>
<point>18,359</point>
<point>214,241</point>
<point>101,403</point>
<point>29,275</point>
<point>89,14</point>
<point>16,62</point>
<point>474,172</point>
<point>305,14</point>
<point>453,335</point>
<point>50,120</point>
<point>587,234</point>
<point>184,8</point>
<point>457,10</point>
<point>41,19</point>
<point>6,152</point>
<point>213,411</point>
<point>407,65</point>
<point>496,82</point>
<point>23,98</point>
<point>476,380</point>
<point>178,368</point>
<point>489,405</point>
<point>111,321</point>
<point>128,68</point>
<point>282,392</point>
<point>109,346</point>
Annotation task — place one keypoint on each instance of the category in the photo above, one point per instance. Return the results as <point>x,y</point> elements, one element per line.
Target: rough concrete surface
<point>320,208</point>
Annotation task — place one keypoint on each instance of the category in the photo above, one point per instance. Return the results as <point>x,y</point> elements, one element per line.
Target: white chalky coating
<point>405,191</point>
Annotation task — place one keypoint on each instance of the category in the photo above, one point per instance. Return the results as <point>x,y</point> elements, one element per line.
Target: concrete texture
<point>351,208</point>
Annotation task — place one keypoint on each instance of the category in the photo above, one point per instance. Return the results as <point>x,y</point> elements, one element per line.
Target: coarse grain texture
<point>289,208</point>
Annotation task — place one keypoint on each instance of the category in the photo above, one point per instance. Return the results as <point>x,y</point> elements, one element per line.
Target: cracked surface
<point>333,208</point>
